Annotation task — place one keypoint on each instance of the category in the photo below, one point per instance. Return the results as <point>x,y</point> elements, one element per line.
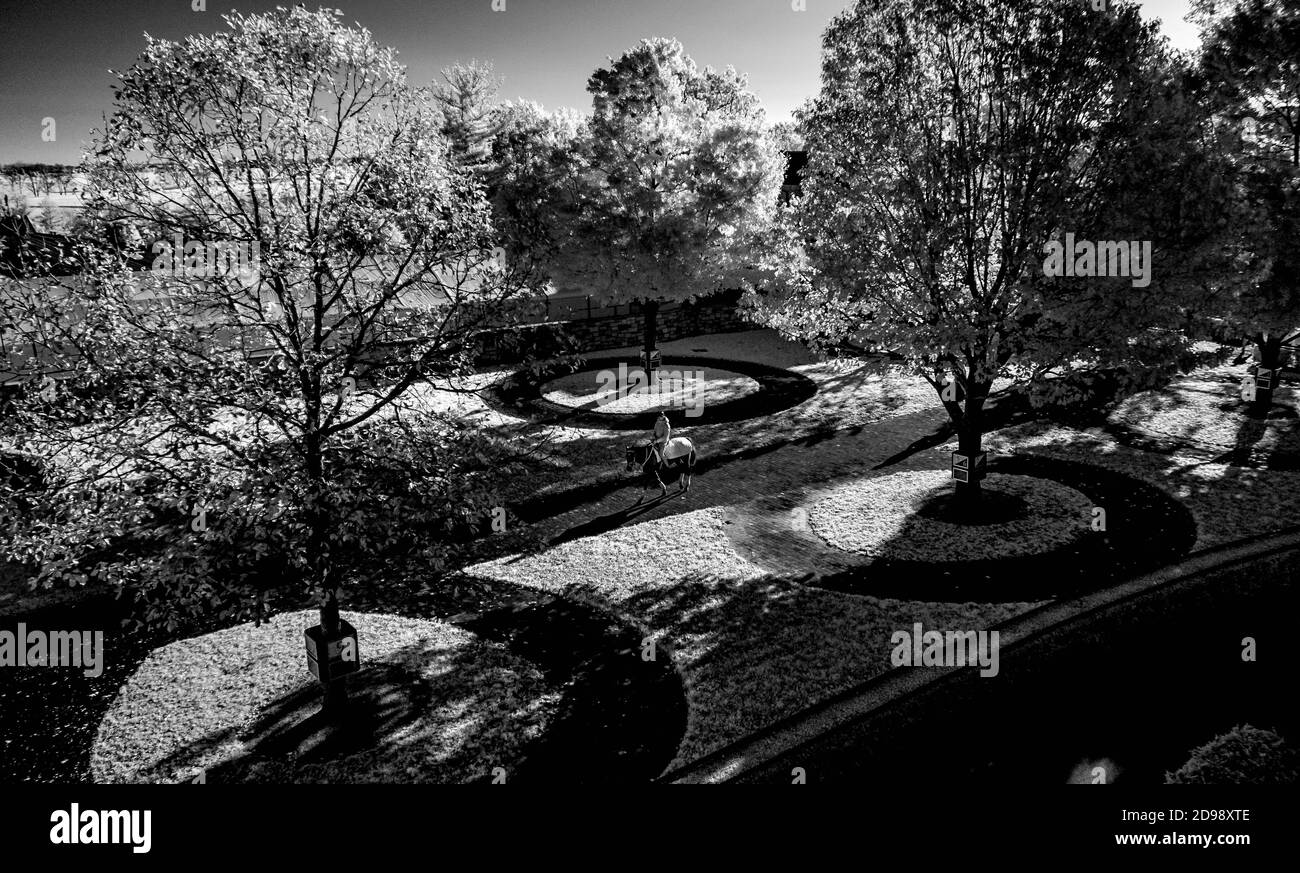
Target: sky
<point>58,52</point>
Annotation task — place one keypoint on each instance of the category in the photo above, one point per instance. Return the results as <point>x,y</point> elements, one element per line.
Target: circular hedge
<point>521,393</point>
<point>616,393</point>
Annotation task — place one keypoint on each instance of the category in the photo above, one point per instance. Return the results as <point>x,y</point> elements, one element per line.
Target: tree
<point>672,178</point>
<point>18,205</point>
<point>49,221</point>
<point>953,145</point>
<point>788,136</point>
<point>219,399</point>
<point>533,176</point>
<point>471,118</point>
<point>1251,77</point>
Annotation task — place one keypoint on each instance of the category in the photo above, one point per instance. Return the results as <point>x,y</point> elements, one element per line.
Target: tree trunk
<point>970,436</point>
<point>966,410</point>
<point>336,692</point>
<point>1270,356</point>
<point>968,414</point>
<point>651,311</point>
<point>335,700</point>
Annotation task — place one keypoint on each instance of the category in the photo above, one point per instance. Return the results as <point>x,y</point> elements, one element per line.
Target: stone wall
<point>553,339</point>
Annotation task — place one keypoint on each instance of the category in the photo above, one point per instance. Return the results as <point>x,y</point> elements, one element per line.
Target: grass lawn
<point>751,648</point>
<point>754,648</point>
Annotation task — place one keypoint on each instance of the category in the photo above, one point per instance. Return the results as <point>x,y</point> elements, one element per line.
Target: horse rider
<point>663,432</point>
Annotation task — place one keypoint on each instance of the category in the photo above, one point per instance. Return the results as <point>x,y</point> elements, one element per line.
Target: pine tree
<point>471,119</point>
<point>49,221</point>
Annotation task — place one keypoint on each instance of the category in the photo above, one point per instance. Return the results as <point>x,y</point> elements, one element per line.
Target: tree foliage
<point>1244,755</point>
<point>471,117</point>
<point>668,182</point>
<point>951,142</point>
<point>225,429</point>
<point>1250,69</point>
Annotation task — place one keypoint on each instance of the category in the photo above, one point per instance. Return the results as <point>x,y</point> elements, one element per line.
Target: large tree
<point>954,144</point>
<point>671,179</point>
<point>533,180</point>
<point>212,410</point>
<point>1250,63</point>
<point>471,115</point>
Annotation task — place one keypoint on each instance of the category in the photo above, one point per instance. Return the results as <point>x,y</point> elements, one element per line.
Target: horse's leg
<point>663,489</point>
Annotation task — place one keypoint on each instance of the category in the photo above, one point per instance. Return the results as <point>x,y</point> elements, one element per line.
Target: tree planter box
<point>332,657</point>
<point>963,470</point>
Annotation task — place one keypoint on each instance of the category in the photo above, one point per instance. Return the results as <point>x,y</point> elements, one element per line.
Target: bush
<point>1243,756</point>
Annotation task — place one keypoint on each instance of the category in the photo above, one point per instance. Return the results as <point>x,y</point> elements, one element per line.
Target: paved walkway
<point>770,470</point>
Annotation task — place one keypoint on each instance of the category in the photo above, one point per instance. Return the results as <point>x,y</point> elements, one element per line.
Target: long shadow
<point>612,521</point>
<point>621,718</point>
<point>1005,412</point>
<point>541,507</point>
<point>1145,529</point>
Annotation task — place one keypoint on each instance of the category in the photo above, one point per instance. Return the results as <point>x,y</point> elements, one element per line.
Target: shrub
<point>1244,756</point>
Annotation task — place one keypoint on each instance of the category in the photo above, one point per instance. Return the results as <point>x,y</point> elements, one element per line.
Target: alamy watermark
<point>677,388</point>
<point>24,648</point>
<point>207,260</point>
<point>932,648</point>
<point>77,826</point>
<point>1101,258</point>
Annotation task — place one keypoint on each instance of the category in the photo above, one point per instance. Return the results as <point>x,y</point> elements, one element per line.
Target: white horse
<point>678,461</point>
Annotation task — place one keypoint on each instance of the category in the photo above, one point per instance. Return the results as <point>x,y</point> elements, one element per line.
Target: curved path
<point>1135,675</point>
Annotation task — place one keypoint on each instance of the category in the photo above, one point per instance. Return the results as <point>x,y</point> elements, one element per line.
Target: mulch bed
<point>911,515</point>
<point>1145,528</point>
<point>431,703</point>
<point>619,718</point>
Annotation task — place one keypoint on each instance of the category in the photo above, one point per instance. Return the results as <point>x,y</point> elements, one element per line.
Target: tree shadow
<point>424,714</point>
<point>620,717</point>
<point>611,521</point>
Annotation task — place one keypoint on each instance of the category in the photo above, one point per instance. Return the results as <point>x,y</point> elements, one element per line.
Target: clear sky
<point>57,52</point>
